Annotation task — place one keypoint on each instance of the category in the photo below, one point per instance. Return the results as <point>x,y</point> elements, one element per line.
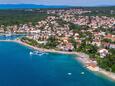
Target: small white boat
<point>31,53</point>
<point>38,53</point>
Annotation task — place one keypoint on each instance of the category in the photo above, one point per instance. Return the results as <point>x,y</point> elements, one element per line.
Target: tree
<point>113,68</point>
<point>52,42</point>
<point>107,40</point>
<point>74,43</point>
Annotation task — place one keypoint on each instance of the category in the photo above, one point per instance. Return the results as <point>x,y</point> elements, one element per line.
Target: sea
<point>31,6</point>
<point>19,68</point>
<point>11,37</point>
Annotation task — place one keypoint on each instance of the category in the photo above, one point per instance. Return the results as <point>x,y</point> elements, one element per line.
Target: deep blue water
<point>18,68</point>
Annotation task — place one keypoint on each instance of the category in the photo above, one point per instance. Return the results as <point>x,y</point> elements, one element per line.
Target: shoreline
<point>83,58</point>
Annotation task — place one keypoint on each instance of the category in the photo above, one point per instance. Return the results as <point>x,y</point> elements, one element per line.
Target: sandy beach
<point>83,58</point>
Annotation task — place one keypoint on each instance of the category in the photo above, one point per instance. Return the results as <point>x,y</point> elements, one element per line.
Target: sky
<point>61,2</point>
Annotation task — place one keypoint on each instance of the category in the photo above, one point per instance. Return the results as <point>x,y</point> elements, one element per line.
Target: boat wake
<point>39,53</point>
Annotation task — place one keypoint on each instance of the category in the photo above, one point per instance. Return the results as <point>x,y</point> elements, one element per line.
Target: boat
<point>31,53</point>
<point>38,53</point>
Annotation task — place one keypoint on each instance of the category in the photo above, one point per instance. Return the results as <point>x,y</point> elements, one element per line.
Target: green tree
<point>52,42</point>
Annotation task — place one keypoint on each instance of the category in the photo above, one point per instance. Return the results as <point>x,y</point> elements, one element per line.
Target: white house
<point>103,52</point>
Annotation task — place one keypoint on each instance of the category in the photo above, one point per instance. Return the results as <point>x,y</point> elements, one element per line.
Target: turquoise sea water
<point>19,68</point>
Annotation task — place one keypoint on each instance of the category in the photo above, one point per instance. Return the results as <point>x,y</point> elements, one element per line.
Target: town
<point>71,30</point>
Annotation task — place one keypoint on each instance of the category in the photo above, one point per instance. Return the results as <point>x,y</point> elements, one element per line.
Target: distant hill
<point>21,6</point>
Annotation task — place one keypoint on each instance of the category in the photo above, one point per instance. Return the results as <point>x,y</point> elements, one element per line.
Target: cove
<point>19,68</point>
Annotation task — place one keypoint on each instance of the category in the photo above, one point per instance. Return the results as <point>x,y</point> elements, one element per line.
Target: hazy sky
<point>61,2</point>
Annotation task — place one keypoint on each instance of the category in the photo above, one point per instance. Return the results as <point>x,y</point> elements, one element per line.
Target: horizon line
<point>57,5</point>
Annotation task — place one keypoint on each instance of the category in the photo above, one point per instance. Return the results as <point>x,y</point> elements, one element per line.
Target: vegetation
<point>29,41</point>
<point>108,62</point>
<point>52,42</point>
<point>11,17</point>
<point>74,27</point>
<point>101,11</point>
<point>74,43</point>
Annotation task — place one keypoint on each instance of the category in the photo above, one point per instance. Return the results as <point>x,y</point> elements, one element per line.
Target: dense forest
<point>20,16</point>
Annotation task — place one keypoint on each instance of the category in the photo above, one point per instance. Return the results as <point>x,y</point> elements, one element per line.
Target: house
<point>112,46</point>
<point>103,53</point>
<point>110,36</point>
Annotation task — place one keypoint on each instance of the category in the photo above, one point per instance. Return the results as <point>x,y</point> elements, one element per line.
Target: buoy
<point>69,74</point>
<point>82,73</point>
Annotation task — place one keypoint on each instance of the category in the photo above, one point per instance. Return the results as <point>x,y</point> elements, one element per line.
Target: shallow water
<point>19,68</point>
